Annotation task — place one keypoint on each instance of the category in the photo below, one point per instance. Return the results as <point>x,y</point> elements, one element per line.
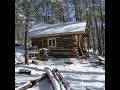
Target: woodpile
<point>44,55</point>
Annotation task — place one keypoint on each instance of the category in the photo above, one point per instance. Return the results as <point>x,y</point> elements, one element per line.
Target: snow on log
<point>57,78</point>
<point>101,58</point>
<point>64,82</point>
<point>52,78</point>
<point>24,71</point>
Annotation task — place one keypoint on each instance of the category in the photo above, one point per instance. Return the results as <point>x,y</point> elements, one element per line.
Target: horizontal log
<point>64,82</point>
<point>24,71</point>
<point>65,36</point>
<point>61,53</point>
<point>64,40</point>
<point>61,50</point>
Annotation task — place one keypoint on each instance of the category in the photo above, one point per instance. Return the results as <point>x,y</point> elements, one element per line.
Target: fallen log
<point>52,78</point>
<point>64,82</point>
<point>32,82</point>
<point>24,71</point>
<point>101,58</point>
<point>69,62</point>
<point>101,61</point>
<point>57,78</point>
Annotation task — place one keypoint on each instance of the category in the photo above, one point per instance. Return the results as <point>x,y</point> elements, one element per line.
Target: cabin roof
<point>43,30</point>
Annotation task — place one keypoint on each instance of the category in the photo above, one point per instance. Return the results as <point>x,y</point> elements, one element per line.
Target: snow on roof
<point>59,28</point>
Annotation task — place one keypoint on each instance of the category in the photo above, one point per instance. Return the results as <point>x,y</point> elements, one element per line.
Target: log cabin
<point>64,40</point>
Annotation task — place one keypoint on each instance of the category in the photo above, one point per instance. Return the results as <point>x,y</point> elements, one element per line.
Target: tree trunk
<point>103,42</point>
<point>26,36</point>
<point>76,9</point>
<point>91,26</point>
<point>102,29</point>
<point>93,37</point>
<point>37,12</point>
<point>26,47</point>
<point>98,38</point>
<point>88,43</point>
<point>81,45</point>
<point>67,10</point>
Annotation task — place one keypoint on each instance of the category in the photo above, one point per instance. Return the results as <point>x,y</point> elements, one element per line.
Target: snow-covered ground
<point>79,75</point>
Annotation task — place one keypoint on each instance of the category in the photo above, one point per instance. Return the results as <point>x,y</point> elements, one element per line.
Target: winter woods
<point>31,12</point>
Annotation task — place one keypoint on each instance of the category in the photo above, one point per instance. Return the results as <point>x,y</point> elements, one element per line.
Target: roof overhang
<point>58,34</point>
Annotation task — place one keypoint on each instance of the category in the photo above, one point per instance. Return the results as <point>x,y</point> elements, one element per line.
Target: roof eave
<point>57,34</point>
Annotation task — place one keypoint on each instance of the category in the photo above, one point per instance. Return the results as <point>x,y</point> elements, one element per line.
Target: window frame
<point>51,42</point>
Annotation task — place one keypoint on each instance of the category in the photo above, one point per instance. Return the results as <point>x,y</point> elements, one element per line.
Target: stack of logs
<point>57,81</point>
<point>43,55</point>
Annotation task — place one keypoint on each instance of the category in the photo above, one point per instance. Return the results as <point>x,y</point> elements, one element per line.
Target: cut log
<point>36,62</point>
<point>52,78</point>
<point>24,71</point>
<point>70,62</point>
<point>64,82</point>
<point>32,82</point>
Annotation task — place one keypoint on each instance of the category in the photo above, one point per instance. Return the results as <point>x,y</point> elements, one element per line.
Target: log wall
<point>64,45</point>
